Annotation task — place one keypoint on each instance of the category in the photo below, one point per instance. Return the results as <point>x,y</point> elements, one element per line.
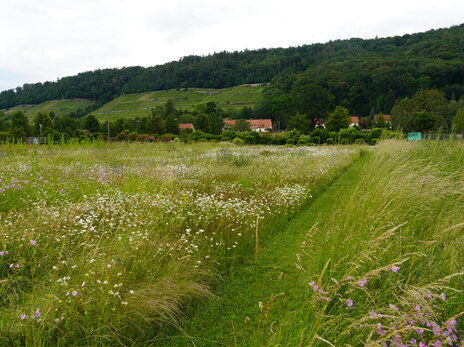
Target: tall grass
<point>386,266</point>
<point>108,243</point>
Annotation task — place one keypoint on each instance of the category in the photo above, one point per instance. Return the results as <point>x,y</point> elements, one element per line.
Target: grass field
<point>375,260</point>
<point>223,245</point>
<point>137,105</point>
<point>60,107</point>
<point>112,243</point>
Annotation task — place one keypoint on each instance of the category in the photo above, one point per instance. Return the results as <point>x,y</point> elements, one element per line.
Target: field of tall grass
<point>107,243</point>
<point>386,265</point>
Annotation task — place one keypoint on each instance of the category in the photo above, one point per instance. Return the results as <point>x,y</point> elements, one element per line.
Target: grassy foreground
<point>109,243</point>
<point>377,259</point>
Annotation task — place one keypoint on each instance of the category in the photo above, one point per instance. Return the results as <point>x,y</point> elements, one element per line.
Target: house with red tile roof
<point>258,125</point>
<point>386,117</point>
<point>354,121</point>
<point>186,126</point>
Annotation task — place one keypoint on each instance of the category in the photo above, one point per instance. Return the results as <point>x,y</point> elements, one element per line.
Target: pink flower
<point>361,282</point>
<point>394,307</point>
<point>379,329</point>
<point>395,268</point>
<point>74,293</point>
<point>349,302</point>
<point>443,296</point>
<point>32,242</point>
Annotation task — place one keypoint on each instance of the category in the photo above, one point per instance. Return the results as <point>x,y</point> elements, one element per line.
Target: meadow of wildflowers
<point>106,244</point>
<point>386,266</point>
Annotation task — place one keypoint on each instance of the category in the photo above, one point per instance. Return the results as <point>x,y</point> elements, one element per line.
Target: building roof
<point>354,120</point>
<point>260,123</point>
<point>254,123</point>
<point>386,117</point>
<point>185,126</point>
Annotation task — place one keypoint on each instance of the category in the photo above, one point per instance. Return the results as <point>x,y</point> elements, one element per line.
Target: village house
<point>183,126</point>
<point>354,121</point>
<point>258,125</point>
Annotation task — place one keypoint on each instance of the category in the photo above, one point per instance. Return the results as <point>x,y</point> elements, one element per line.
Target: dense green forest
<point>364,76</point>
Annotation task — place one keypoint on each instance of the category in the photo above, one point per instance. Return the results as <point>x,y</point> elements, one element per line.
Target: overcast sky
<point>42,40</point>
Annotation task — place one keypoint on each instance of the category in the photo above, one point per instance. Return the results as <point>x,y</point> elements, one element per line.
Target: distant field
<point>137,105</point>
<point>58,106</point>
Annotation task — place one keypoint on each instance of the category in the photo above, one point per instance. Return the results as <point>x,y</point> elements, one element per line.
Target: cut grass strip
<point>255,298</point>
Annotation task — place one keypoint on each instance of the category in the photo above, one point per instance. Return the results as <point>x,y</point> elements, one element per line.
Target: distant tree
<point>299,122</point>
<point>211,107</point>
<point>156,125</point>
<point>52,115</point>
<point>20,121</point>
<point>372,114</point>
<point>169,107</point>
<point>312,100</point>
<point>430,100</point>
<point>423,121</point>
<point>142,125</point>
<point>380,122</point>
<point>203,123</point>
<point>91,124</point>
<point>338,119</point>
<point>401,113</point>
<point>120,125</point>
<point>172,126</point>
<point>245,113</point>
<point>3,123</point>
<point>241,125</point>
<point>217,123</point>
<point>42,124</point>
<point>458,121</point>
<point>64,123</point>
<point>186,118</point>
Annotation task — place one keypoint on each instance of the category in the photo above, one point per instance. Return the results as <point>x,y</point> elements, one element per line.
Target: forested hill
<point>355,73</point>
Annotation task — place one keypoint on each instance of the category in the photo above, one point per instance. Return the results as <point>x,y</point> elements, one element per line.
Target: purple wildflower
<point>23,317</point>
<point>443,296</point>
<point>379,329</point>
<point>361,282</point>
<point>32,242</point>
<point>395,268</point>
<point>394,307</point>
<point>74,293</point>
<point>349,302</point>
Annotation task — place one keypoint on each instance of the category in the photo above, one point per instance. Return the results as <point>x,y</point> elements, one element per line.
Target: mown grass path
<point>258,297</point>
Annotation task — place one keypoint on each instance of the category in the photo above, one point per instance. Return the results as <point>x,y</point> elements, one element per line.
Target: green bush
<point>250,140</point>
<point>290,142</point>
<point>122,136</point>
<point>322,133</point>
<point>133,136</point>
<point>316,140</point>
<point>349,134</point>
<point>330,141</point>
<point>238,141</point>
<point>344,141</point>
<point>275,141</point>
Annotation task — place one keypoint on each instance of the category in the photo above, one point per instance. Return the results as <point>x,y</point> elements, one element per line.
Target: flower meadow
<point>386,266</point>
<point>107,243</point>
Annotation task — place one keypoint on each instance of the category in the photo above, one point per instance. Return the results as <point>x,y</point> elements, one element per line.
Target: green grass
<point>376,258</point>
<point>137,105</point>
<point>60,107</point>
<point>112,242</point>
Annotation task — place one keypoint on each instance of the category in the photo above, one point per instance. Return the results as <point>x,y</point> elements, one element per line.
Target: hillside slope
<point>138,104</point>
